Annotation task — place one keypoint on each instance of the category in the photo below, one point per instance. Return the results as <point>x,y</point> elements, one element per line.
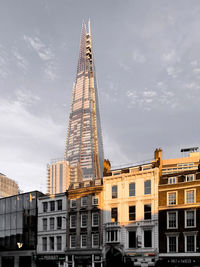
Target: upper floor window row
<point>84,202</point>
<point>132,189</point>
<point>188,178</point>
<point>52,205</point>
<point>190,197</point>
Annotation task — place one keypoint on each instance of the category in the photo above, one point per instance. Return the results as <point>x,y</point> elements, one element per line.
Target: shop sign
<point>97,257</point>
<point>83,257</point>
<point>180,260</point>
<point>51,257</point>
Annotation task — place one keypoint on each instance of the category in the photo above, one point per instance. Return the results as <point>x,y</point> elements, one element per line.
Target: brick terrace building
<point>179,217</point>
<point>84,228</point>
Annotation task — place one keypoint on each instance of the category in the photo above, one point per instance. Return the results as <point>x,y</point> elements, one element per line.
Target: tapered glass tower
<point>84,139</point>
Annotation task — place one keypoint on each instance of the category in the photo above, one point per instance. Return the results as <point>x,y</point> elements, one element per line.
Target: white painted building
<point>52,230</point>
<point>131,216</point>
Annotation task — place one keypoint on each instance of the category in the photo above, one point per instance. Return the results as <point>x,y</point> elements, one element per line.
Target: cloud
<point>50,72</point>
<point>33,140</point>
<point>44,52</point>
<point>173,71</point>
<point>138,57</point>
<point>26,97</point>
<point>21,61</point>
<point>170,56</point>
<point>4,62</point>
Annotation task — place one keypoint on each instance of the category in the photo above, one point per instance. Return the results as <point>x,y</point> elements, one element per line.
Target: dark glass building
<point>18,229</point>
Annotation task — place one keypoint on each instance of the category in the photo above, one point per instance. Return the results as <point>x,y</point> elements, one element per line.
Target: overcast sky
<point>147,57</point>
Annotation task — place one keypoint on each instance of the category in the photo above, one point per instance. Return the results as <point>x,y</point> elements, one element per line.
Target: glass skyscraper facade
<point>84,139</point>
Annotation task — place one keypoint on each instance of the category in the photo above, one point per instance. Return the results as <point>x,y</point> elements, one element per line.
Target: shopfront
<point>84,261</point>
<point>50,260</point>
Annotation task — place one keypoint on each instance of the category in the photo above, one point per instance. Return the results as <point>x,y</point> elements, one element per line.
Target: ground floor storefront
<point>17,259</point>
<point>50,260</point>
<point>84,259</point>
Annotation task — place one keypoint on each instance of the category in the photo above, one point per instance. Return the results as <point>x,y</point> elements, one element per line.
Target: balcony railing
<point>112,225</point>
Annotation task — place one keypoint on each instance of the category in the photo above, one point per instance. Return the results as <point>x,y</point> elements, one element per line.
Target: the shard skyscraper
<point>84,139</point>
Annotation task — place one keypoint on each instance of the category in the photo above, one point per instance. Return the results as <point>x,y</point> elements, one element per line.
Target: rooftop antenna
<point>89,27</point>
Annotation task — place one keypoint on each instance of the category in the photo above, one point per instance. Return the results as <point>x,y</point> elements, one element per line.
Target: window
<point>190,218</point>
<point>83,241</point>
<point>147,212</point>
<point>189,177</point>
<point>95,200</point>
<point>114,215</point>
<point>44,244</point>
<point>172,243</point>
<point>112,236</point>
<point>84,220</point>
<point>95,240</point>
<point>59,242</point>
<point>147,238</point>
<point>59,222</point>
<point>190,196</point>
<point>45,206</point>
<point>95,219</point>
<point>59,204</point>
<point>44,223</point>
<point>190,242</point>
<point>51,223</point>
<point>171,198</point>
<point>131,213</point>
<point>147,187</point>
<point>73,203</point>
<point>114,191</point>
<point>72,241</point>
<point>172,219</point>
<point>72,221</point>
<point>52,205</point>
<point>171,180</point>
<point>131,189</point>
<point>84,201</point>
<point>51,242</point>
<point>132,239</point>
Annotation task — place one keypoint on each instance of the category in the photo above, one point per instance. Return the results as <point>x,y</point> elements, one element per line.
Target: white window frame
<point>73,215</point>
<point>132,191</point>
<point>187,177</point>
<point>71,241</point>
<point>170,192</point>
<point>172,235</point>
<point>84,214</point>
<point>95,234</point>
<point>148,180</point>
<point>46,225</point>
<point>168,227</point>
<point>44,248</point>
<point>85,235</point>
<point>185,215</point>
<point>95,198</point>
<point>52,225</point>
<point>172,180</point>
<point>83,204</point>
<point>71,203</point>
<point>195,240</point>
<point>95,225</point>
<point>60,243</point>
<point>186,191</point>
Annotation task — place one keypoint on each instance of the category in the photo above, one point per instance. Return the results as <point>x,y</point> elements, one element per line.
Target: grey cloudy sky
<point>148,70</point>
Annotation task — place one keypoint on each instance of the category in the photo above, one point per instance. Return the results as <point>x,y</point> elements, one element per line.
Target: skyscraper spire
<point>84,139</point>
